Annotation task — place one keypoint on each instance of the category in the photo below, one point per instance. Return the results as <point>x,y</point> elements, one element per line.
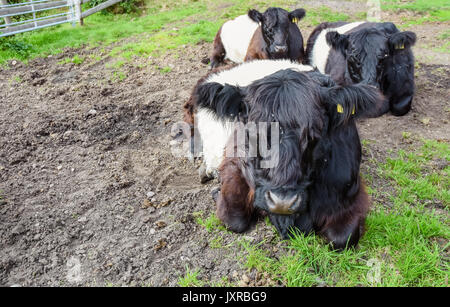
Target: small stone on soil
<point>160,224</point>
<point>425,120</point>
<point>161,244</point>
<point>146,204</point>
<point>245,279</point>
<point>235,274</point>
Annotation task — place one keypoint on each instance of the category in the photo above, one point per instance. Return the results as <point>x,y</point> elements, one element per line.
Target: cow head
<point>367,51</point>
<point>284,98</point>
<point>275,23</point>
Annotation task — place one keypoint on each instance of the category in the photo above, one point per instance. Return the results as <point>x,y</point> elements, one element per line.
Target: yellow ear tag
<point>402,46</point>
<point>295,20</point>
<point>340,109</point>
<point>353,111</point>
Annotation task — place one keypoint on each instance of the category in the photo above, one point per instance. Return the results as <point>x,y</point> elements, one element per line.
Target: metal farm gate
<point>66,11</point>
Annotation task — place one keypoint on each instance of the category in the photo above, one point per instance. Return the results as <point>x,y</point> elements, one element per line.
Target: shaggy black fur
<point>319,150</point>
<point>373,53</point>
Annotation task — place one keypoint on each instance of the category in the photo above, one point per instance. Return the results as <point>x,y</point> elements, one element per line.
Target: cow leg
<point>344,231</point>
<point>218,54</point>
<point>234,202</point>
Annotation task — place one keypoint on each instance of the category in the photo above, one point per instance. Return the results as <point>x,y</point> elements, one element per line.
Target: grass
<point>444,48</point>
<point>432,10</point>
<point>444,35</point>
<point>319,15</point>
<point>165,70</point>
<point>406,245</point>
<point>210,223</point>
<point>14,79</point>
<point>417,179</point>
<point>76,59</point>
<point>118,76</point>
<point>190,279</point>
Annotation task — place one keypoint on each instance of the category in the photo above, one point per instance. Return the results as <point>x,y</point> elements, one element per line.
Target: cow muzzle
<point>282,204</point>
<point>280,48</point>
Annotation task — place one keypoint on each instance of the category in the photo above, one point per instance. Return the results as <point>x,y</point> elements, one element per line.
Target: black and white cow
<point>214,134</point>
<point>373,53</point>
<point>315,184</point>
<point>273,34</point>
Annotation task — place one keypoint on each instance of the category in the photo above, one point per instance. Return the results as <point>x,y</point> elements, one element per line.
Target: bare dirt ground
<point>81,157</point>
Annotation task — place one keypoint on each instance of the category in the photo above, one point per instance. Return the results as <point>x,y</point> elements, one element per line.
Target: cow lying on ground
<point>315,183</point>
<point>272,35</point>
<point>374,53</point>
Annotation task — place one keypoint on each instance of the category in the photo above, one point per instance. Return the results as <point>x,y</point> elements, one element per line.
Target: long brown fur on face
<point>235,202</point>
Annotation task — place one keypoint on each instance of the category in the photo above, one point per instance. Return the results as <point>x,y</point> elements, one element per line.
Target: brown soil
<point>80,152</point>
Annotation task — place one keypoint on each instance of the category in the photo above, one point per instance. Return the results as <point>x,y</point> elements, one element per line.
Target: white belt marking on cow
<point>236,36</point>
<point>245,74</point>
<point>321,49</point>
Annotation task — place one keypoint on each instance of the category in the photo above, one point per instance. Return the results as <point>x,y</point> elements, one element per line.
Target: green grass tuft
<point>190,279</point>
<point>211,223</point>
<point>417,176</point>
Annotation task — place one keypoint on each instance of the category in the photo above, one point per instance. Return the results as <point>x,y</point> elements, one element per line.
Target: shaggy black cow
<point>373,53</point>
<point>314,184</point>
<point>272,35</point>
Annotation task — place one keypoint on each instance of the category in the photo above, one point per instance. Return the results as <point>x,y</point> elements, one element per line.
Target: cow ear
<point>296,15</point>
<point>402,40</point>
<point>337,41</point>
<point>225,101</point>
<point>358,100</point>
<point>255,16</point>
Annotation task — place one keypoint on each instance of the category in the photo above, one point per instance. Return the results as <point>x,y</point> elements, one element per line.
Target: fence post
<point>78,15</point>
<point>7,19</point>
<point>34,13</point>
